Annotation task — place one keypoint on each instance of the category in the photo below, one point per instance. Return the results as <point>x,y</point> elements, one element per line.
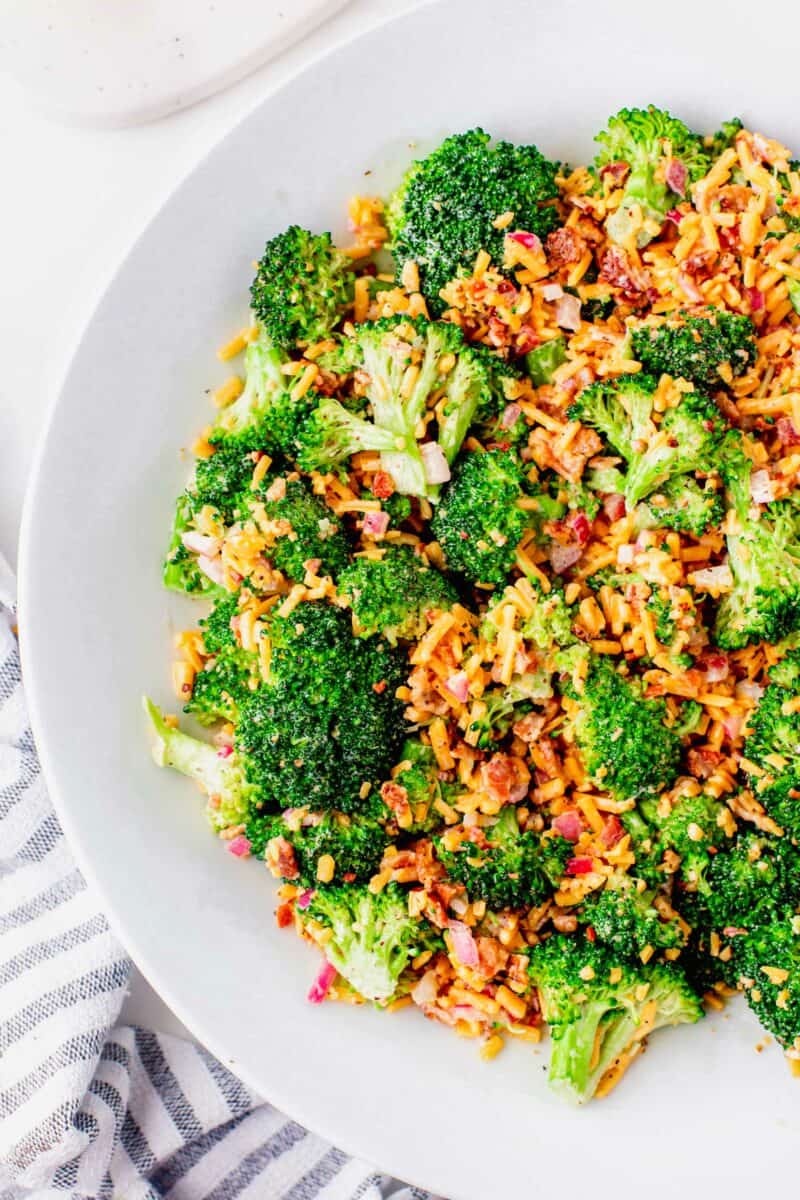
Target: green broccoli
<point>751,880</point>
<point>393,595</point>
<point>425,791</point>
<point>695,830</point>
<point>724,138</point>
<point>301,528</point>
<point>506,705</point>
<point>355,845</point>
<point>373,938</point>
<point>623,918</point>
<point>228,673</point>
<point>302,287</point>
<point>479,521</point>
<point>222,778</point>
<point>768,963</point>
<point>646,139</point>
<point>764,557</point>
<point>682,504</point>
<point>181,571</point>
<point>625,744</point>
<point>550,623</point>
<point>600,1008</point>
<point>411,367</point>
<point>330,722</point>
<point>445,209</point>
<point>544,361</point>
<point>773,745</point>
<point>506,870</point>
<point>695,346</point>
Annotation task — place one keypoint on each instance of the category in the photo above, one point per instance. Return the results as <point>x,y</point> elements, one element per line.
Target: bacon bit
<point>787,433</point>
<point>613,830</point>
<point>616,269</point>
<point>564,246</point>
<point>499,334</point>
<point>581,526</point>
<point>376,523</point>
<point>716,667</point>
<point>511,414</point>
<point>492,956</point>
<point>617,171</point>
<point>755,298</point>
<point>703,761</point>
<point>569,825</point>
<point>526,340</point>
<point>579,866</point>
<point>382,485</point>
<point>458,686</point>
<point>563,557</point>
<point>529,240</point>
<point>379,687</point>
<point>614,507</point>
<point>591,936</point>
<point>676,176</point>
<point>529,728</point>
<point>282,856</point>
<point>502,774</point>
<point>284,915</point>
<point>395,797</point>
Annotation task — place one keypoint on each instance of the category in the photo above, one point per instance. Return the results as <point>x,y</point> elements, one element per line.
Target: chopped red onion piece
<point>677,176</point>
<point>212,567</point>
<point>376,523</point>
<point>755,298</point>
<point>529,240</point>
<point>201,543</point>
<point>434,462</point>
<point>569,824</point>
<point>761,487</point>
<point>320,986</point>
<point>458,686</point>
<point>568,313</point>
<point>465,947</point>
<point>563,557</point>
<point>240,846</point>
<point>305,898</point>
<point>552,291</point>
<point>511,414</point>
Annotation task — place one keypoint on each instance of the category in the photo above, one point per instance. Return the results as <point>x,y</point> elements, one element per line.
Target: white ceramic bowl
<point>703,1110</point>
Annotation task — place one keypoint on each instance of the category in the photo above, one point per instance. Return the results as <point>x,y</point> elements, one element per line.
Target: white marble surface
<point>73,201</point>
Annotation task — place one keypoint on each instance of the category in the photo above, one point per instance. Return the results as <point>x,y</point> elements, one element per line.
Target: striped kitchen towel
<point>89,1108</point>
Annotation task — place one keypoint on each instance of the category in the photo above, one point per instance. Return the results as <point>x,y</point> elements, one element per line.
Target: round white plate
<point>702,1110</point>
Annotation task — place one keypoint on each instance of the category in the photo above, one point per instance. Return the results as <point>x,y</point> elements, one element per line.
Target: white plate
<point>702,1110</point>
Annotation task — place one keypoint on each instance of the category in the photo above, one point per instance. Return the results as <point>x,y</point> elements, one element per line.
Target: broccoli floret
<point>506,872</point>
<point>695,347</point>
<point>225,678</point>
<point>735,468</point>
<point>752,880</point>
<point>401,360</point>
<point>597,1026</point>
<point>623,918</point>
<point>302,287</point>
<point>330,721</point>
<point>682,504</point>
<point>355,845</point>
<point>724,138</point>
<point>543,362</point>
<point>773,745</point>
<point>300,526</point>
<point>620,409</point>
<point>764,557</point>
<point>373,937</point>
<point>704,970</point>
<point>646,139</point>
<point>479,522</point>
<point>419,774</point>
<point>181,572</point>
<point>445,209</point>
<point>550,623</point>
<point>646,849</point>
<point>223,779</point>
<point>505,706</point>
<point>222,477</point>
<point>624,742</point>
<point>695,830</point>
<point>393,595</point>
<point>768,962</point>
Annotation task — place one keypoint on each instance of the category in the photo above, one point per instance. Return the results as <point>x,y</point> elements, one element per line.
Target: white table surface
<point>73,201</point>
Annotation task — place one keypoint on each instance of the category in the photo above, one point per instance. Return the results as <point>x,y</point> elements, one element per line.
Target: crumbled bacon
<point>616,171</point>
<point>492,956</point>
<point>382,485</point>
<point>703,761</point>
<point>564,246</point>
<point>569,463</point>
<point>284,915</point>
<point>395,797</point>
<point>502,775</point>
<point>612,831</point>
<point>529,728</point>
<point>281,857</point>
<point>617,270</point>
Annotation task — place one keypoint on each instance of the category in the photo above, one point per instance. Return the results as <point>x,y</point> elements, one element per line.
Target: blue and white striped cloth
<point>90,1108</point>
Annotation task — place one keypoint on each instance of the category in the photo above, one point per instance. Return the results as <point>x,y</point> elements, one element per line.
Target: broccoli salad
<point>496,530</point>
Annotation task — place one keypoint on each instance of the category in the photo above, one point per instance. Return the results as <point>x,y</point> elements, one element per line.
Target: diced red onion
<point>212,567</point>
<point>689,286</point>
<point>201,543</point>
<point>529,240</point>
<point>225,750</point>
<point>426,989</point>
<point>749,690</point>
<point>563,557</point>
<point>458,686</point>
<point>465,947</point>
<point>518,793</point>
<point>581,526</point>
<point>434,462</point>
<point>579,866</point>
<point>319,988</point>
<point>511,414</point>
<point>761,487</point>
<point>614,506</point>
<point>732,726</point>
<point>613,830</point>
<point>617,170</point>
<point>240,846</point>
<point>625,554</point>
<point>755,298</point>
<point>568,312</point>
<point>677,176</point>
<point>716,668</point>
<point>675,215</point>
<point>221,738</point>
<point>569,825</point>
<point>787,432</point>
<point>552,291</point>
<point>305,898</point>
<point>376,523</point>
